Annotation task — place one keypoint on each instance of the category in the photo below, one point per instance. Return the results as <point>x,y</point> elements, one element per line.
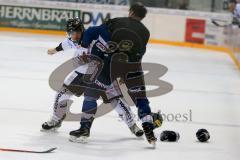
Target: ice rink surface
<point>206,83</point>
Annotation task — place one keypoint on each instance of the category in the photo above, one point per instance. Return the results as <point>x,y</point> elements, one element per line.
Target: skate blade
<point>53,130</point>
<point>153,144</point>
<point>139,137</point>
<point>82,139</point>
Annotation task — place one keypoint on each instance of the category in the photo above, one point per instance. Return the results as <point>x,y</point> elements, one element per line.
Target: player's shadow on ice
<point>96,145</point>
<point>102,142</point>
<point>119,140</point>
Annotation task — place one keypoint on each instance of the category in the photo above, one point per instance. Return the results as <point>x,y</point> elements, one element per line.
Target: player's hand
<point>84,57</point>
<point>51,51</point>
<point>121,81</point>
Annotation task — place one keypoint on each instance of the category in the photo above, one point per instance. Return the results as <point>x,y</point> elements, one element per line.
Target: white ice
<point>205,82</point>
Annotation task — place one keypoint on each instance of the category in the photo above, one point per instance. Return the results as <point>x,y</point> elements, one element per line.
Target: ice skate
<point>80,136</point>
<point>51,125</point>
<point>136,130</point>
<point>148,131</point>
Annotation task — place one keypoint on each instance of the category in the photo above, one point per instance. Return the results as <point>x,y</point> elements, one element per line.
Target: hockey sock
<point>61,103</point>
<point>124,111</point>
<point>89,109</point>
<point>143,108</point>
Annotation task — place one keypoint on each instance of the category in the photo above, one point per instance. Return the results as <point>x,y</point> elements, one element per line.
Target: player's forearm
<point>52,51</point>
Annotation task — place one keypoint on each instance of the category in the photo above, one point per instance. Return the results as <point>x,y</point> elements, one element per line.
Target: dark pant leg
<point>137,91</point>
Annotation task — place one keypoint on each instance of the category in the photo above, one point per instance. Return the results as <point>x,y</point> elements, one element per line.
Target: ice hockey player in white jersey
<point>75,29</point>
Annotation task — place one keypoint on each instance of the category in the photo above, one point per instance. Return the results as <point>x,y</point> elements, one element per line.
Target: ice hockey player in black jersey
<point>129,29</point>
